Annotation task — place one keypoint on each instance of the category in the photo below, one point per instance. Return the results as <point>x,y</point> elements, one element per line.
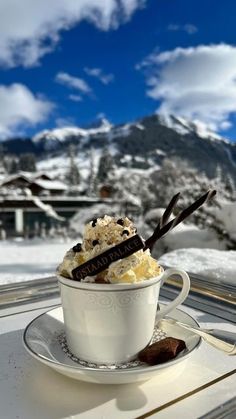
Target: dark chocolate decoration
<point>95,242</point>
<point>125,232</point>
<point>162,351</point>
<point>120,221</point>
<point>77,247</point>
<point>159,232</point>
<point>163,221</point>
<point>94,222</point>
<point>101,262</point>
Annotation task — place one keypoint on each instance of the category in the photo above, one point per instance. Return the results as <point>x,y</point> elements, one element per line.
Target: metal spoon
<point>220,339</point>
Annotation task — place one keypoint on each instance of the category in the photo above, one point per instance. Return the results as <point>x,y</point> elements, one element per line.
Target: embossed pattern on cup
<point>109,326</point>
<point>109,323</point>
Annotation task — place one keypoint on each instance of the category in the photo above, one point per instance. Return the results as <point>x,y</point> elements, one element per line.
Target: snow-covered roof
<point>51,184</point>
<point>8,179</point>
<point>28,176</point>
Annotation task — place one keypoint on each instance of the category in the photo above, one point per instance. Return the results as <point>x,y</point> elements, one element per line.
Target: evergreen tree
<point>92,180</point>
<point>14,166</point>
<point>219,181</point>
<point>27,162</point>
<point>73,176</point>
<point>11,164</point>
<point>230,187</point>
<point>106,166</point>
<point>2,151</point>
<point>2,167</point>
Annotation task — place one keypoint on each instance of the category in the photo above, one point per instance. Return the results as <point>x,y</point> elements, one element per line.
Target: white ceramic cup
<point>111,323</point>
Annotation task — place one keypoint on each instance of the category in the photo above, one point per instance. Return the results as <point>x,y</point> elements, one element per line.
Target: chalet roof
<point>34,175</point>
<point>27,176</point>
<point>51,185</point>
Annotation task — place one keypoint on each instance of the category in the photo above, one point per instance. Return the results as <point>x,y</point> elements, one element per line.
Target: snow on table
<point>30,259</point>
<point>216,265</point>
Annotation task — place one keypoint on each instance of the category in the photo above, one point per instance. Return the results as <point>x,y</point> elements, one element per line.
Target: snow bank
<point>30,259</point>
<point>189,235</point>
<point>216,265</point>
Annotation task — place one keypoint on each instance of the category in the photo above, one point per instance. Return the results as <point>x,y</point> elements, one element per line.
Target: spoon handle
<point>228,337</point>
<point>220,339</point>
<point>216,341</point>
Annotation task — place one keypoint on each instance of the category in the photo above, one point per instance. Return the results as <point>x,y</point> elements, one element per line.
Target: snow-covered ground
<point>216,265</point>
<point>32,259</point>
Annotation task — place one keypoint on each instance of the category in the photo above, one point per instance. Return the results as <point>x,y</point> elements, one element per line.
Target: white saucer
<point>44,339</point>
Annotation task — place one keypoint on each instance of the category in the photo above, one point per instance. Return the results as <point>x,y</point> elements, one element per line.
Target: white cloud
<point>65,122</point>
<point>198,83</point>
<point>188,27</point>
<point>19,108</point>
<point>75,98</point>
<point>101,115</point>
<point>99,74</point>
<point>173,27</point>
<point>29,29</point>
<point>73,82</point>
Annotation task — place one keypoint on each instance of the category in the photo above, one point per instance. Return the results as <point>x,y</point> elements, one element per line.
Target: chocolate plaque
<point>101,262</point>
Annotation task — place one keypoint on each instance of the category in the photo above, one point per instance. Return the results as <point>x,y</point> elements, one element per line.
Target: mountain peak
<point>62,134</point>
<point>184,126</point>
<point>99,122</point>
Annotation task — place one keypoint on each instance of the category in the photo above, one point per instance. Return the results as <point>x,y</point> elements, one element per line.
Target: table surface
<point>31,390</point>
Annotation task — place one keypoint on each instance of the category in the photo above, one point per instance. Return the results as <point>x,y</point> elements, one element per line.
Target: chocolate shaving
<point>77,248</point>
<point>159,232</point>
<point>101,262</point>
<point>94,222</point>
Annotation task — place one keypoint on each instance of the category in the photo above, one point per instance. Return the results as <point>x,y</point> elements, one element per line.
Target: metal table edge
<point>216,299</point>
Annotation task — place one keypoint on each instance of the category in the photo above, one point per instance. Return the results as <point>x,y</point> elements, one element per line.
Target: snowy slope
<point>184,127</point>
<point>51,138</point>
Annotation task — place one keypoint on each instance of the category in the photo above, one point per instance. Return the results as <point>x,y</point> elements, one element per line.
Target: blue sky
<point>66,62</point>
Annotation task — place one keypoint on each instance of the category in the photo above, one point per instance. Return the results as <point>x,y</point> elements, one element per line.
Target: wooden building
<point>39,184</point>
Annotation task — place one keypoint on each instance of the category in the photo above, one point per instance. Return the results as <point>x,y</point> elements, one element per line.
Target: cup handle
<point>182,295</point>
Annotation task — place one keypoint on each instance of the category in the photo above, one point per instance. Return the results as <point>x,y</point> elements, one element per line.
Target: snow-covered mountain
<point>151,139</point>
<point>51,139</point>
<point>179,124</point>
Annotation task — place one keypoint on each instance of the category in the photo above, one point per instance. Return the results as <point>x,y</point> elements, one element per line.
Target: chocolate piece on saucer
<point>162,351</point>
